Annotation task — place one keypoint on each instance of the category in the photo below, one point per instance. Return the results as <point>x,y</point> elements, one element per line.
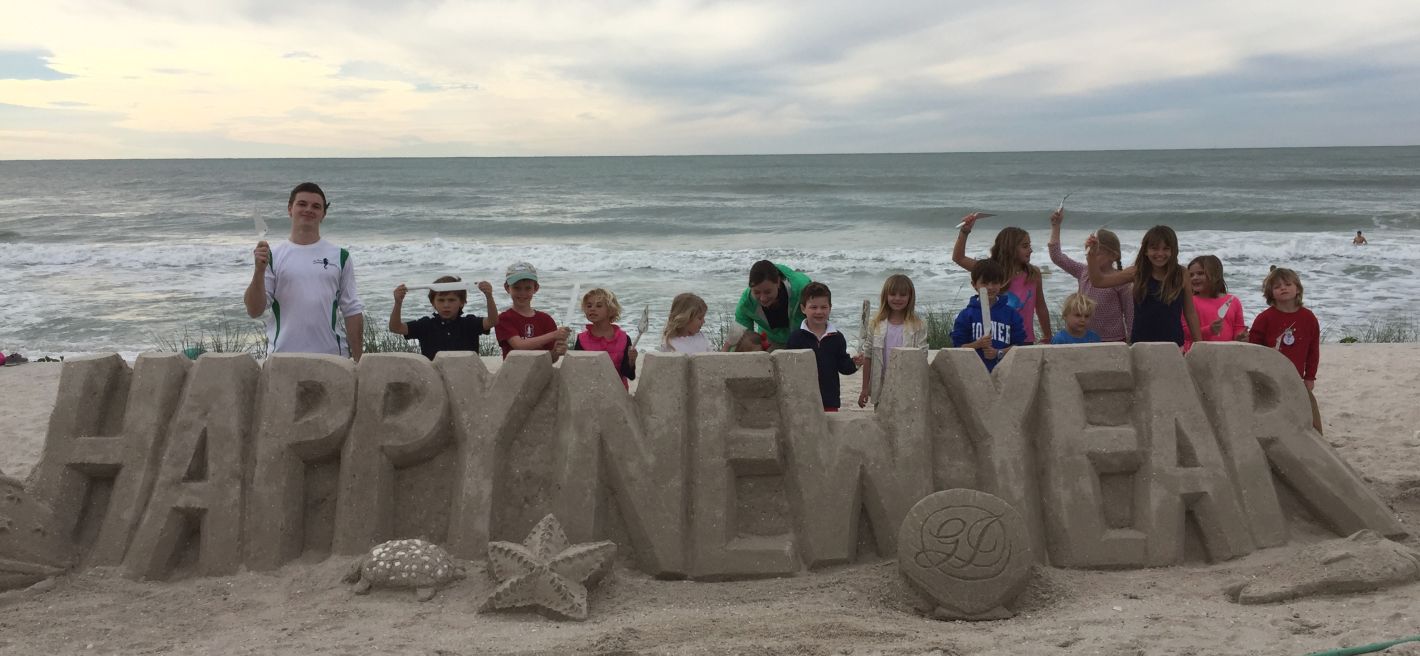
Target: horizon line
<point>702,155</point>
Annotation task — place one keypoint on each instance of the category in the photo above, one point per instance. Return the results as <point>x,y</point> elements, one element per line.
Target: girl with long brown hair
<point>1163,302</point>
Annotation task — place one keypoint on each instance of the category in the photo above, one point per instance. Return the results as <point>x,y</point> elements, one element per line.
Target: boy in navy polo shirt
<point>448,329</point>
<point>830,347</point>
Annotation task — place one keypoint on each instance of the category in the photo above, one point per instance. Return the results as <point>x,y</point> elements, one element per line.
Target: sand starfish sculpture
<point>545,573</point>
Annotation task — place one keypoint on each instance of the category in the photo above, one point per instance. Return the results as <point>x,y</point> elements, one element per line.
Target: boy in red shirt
<point>521,328</point>
<point>1290,328</point>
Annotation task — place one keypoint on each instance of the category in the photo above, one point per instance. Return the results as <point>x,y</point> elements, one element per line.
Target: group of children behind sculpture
<point>1153,300</point>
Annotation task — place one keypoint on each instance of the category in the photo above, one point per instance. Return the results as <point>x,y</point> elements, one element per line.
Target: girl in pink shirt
<point>602,334</point>
<point>1012,251</point>
<point>1220,313</point>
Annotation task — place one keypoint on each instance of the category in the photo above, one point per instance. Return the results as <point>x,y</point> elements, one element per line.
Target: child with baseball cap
<point>520,327</point>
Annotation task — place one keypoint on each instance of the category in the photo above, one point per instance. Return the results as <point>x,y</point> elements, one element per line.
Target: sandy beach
<point>1367,394</point>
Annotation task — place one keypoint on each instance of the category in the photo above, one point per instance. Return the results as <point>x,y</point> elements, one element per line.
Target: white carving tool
<point>1062,202</point>
<point>441,286</point>
<point>865,334</point>
<point>1223,311</point>
<point>573,305</point>
<point>261,228</point>
<point>981,295</point>
<point>642,325</point>
<point>979,216</point>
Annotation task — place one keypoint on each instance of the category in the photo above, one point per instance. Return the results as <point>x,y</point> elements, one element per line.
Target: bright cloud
<point>160,78</point>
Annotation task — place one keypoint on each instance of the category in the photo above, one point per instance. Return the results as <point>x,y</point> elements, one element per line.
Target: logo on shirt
<point>527,331</point>
<point>999,331</point>
<point>324,262</point>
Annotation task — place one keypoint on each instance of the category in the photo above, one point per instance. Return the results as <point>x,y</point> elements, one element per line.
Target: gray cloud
<point>28,65</point>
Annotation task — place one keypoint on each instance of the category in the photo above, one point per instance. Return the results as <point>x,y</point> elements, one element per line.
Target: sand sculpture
<point>721,466</point>
<point>416,564</point>
<point>546,573</point>
<point>31,546</point>
<point>1362,562</point>
<point>966,552</point>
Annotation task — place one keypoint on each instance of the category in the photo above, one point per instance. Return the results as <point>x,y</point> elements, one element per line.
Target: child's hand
<point>486,288</point>
<point>562,334</point>
<point>969,221</point>
<point>1090,242</point>
<point>1056,218</point>
<point>1216,327</point>
<point>1310,384</point>
<point>559,348</point>
<point>399,293</point>
<point>1240,337</point>
<point>863,399</point>
<point>262,255</point>
<point>859,359</point>
<point>990,352</point>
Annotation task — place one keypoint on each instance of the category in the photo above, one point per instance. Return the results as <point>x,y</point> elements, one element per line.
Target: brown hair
<point>897,284</point>
<point>988,271</point>
<point>309,187</point>
<point>462,294</point>
<point>1003,251</point>
<point>1173,282</point>
<point>814,290</point>
<point>764,270</point>
<point>1279,274</point>
<point>1213,268</point>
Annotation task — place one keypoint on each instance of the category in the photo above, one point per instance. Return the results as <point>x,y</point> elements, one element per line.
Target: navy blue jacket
<point>831,352</point>
<point>1007,329</point>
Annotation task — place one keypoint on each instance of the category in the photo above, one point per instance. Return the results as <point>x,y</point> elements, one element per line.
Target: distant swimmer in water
<point>1360,239</point>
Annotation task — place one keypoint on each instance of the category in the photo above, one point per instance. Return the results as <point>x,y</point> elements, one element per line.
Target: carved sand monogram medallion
<point>966,551</point>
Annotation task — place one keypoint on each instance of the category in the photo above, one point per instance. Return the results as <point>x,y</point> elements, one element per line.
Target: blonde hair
<point>897,284</point>
<point>1110,242</point>
<point>684,308</point>
<point>1279,274</point>
<point>1077,303</point>
<point>606,297</point>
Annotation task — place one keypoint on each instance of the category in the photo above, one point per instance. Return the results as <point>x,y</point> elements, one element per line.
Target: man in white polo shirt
<point>309,285</point>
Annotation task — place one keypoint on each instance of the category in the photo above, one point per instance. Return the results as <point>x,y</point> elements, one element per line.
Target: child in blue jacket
<point>1005,327</point>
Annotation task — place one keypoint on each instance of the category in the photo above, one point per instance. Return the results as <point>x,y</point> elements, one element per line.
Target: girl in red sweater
<point>1290,328</point>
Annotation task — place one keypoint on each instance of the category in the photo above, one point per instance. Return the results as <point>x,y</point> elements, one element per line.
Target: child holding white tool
<point>448,329</point>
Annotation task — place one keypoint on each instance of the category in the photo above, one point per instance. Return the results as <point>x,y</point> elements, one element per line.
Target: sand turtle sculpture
<point>417,564</point>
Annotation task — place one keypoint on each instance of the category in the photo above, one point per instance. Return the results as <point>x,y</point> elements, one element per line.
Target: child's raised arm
<point>959,248</point>
<point>397,325</point>
<point>492,319</point>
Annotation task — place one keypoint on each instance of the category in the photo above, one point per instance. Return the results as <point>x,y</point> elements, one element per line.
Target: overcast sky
<point>280,78</point>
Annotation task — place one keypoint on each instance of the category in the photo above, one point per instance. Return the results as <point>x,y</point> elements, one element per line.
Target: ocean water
<point>121,255</point>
